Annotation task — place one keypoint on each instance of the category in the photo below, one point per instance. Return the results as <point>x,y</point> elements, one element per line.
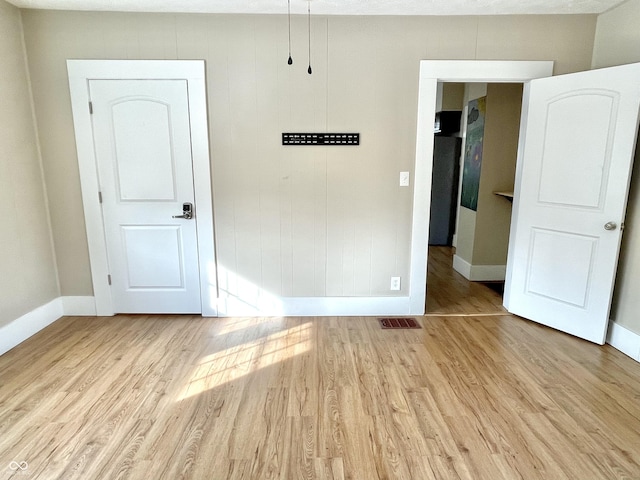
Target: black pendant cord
<point>309,27</point>
<point>290,61</point>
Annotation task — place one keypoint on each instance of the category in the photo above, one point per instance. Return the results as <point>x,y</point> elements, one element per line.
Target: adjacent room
<point>247,240</point>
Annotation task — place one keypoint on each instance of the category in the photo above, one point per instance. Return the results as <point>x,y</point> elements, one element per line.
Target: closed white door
<point>142,142</point>
<point>577,143</point>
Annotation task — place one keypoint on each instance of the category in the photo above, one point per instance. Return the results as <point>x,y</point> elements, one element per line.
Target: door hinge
<point>100,197</point>
<point>90,108</point>
<point>109,279</point>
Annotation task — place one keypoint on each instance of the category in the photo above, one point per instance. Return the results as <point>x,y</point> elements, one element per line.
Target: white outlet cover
<point>404,179</point>
<point>395,283</point>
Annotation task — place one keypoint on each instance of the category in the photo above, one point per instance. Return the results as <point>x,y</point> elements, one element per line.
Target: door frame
<point>432,72</point>
<point>193,71</point>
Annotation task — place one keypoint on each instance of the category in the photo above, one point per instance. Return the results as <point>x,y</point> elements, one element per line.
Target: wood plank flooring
<point>186,397</point>
<point>449,293</point>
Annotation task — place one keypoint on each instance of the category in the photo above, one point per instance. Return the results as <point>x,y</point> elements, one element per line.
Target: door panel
<point>567,137</point>
<point>574,163</point>
<point>559,266</point>
<point>143,149</point>
<point>144,158</point>
<point>165,269</point>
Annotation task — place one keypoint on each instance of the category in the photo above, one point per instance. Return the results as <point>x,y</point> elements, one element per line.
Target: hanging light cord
<point>290,61</point>
<point>309,27</point>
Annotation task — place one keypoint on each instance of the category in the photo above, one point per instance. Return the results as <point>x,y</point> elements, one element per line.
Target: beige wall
<point>493,219</point>
<point>293,221</point>
<point>466,218</point>
<point>452,96</point>
<point>483,235</point>
<point>617,39</point>
<point>465,233</point>
<point>617,42</point>
<point>27,268</point>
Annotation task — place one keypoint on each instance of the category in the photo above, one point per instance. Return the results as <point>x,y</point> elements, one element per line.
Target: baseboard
<point>488,273</point>
<point>462,266</point>
<point>29,324</point>
<point>78,306</point>
<point>231,306</point>
<point>479,273</point>
<point>625,340</point>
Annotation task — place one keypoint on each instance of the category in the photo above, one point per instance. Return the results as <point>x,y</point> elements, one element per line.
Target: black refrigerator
<point>444,189</point>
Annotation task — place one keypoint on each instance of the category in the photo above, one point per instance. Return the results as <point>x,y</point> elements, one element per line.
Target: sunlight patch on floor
<point>232,325</point>
<point>247,358</point>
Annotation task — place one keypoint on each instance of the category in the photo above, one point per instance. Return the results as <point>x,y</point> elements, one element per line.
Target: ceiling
<point>334,7</point>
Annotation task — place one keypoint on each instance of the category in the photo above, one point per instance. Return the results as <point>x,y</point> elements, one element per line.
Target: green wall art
<point>473,153</point>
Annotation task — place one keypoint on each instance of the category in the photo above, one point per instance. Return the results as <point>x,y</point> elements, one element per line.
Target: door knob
<point>610,226</point>
<point>187,211</point>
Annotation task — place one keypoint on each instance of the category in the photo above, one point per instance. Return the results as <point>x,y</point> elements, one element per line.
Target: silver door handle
<point>187,211</point>
<point>610,226</point>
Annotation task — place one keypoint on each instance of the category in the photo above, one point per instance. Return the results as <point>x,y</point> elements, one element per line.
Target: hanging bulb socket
<point>309,30</point>
<point>290,60</point>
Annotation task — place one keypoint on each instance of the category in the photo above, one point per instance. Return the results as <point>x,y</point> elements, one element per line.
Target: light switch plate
<point>404,179</point>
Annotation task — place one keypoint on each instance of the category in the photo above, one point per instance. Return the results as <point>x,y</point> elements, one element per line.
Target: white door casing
<point>432,72</point>
<point>577,142</point>
<point>142,141</point>
<point>81,74</point>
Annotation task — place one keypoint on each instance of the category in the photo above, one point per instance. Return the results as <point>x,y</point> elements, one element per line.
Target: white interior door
<point>577,143</point>
<point>142,144</point>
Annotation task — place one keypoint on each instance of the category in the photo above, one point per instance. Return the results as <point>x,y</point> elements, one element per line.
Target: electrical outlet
<point>395,283</point>
<point>404,179</point>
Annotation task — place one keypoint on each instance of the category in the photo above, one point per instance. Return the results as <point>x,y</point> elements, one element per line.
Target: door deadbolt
<point>187,211</point>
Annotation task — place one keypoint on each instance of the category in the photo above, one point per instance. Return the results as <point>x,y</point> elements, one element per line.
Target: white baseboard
<point>29,324</point>
<point>79,306</point>
<point>625,340</point>
<point>462,267</point>
<point>479,273</point>
<point>231,306</point>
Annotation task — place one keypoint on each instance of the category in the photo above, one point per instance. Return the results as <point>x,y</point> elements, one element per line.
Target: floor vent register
<point>389,323</point>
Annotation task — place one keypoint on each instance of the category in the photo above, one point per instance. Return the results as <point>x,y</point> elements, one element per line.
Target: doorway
<point>481,195</point>
<point>580,132</point>
<point>451,294</point>
<point>432,72</point>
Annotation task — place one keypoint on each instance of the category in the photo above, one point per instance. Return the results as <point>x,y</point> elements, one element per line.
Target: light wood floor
<point>449,293</point>
<point>185,397</point>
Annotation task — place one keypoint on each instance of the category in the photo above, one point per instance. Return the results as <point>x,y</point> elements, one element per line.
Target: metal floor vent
<point>398,323</point>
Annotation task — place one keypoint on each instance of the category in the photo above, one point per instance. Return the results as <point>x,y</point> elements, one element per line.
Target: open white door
<point>577,141</point>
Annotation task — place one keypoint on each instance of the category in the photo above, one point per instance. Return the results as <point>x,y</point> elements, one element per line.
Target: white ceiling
<point>334,7</point>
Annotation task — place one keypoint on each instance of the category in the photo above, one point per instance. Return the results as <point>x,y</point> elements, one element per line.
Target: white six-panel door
<point>577,143</point>
<point>142,143</point>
